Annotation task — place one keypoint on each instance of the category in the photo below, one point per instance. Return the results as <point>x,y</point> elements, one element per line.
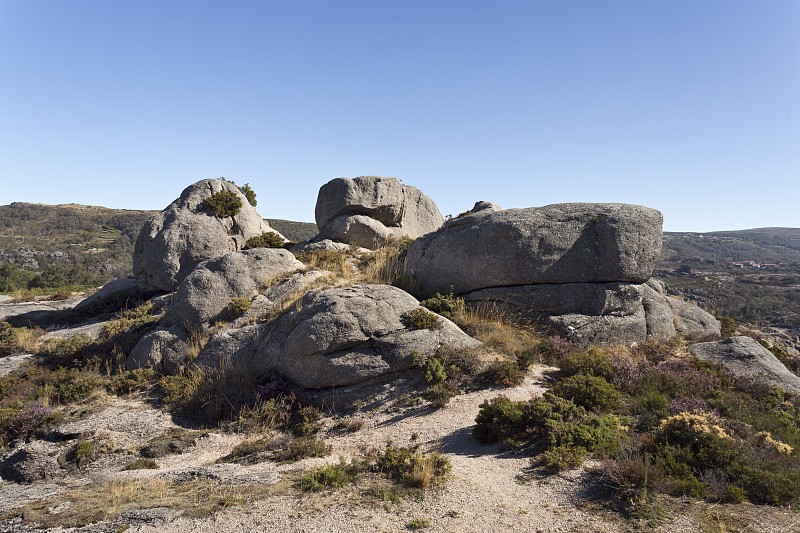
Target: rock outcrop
<point>342,336</point>
<point>173,242</point>
<point>33,461</point>
<point>203,298</point>
<point>745,356</point>
<point>560,243</point>
<point>582,269</point>
<point>369,210</point>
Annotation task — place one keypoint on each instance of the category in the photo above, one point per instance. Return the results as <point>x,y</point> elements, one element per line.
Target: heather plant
<point>23,423</point>
<point>687,404</point>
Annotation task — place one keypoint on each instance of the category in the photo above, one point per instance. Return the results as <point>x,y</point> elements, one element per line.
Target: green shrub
<point>445,305</point>
<point>249,194</point>
<point>268,239</point>
<point>434,372</point>
<point>727,326</point>
<point>592,392</point>
<point>131,380</point>
<point>238,307</point>
<point>549,421</point>
<point>419,318</point>
<point>560,458</point>
<point>593,362</point>
<point>223,204</point>
<point>332,475</point>
<point>303,448</point>
<point>504,373</point>
<point>141,464</point>
<point>410,467</point>
<point>500,418</point>
<point>305,421</point>
<point>440,394</point>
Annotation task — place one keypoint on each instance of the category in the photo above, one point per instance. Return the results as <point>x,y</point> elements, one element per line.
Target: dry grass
<point>100,502</point>
<point>196,342</point>
<point>424,472</point>
<point>496,331</point>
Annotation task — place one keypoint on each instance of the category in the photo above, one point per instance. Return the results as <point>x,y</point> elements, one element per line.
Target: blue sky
<point>691,107</point>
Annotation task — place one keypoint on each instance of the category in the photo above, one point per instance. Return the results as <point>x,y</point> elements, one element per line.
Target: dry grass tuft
<point>496,331</point>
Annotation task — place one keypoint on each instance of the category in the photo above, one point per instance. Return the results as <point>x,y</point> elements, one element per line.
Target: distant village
<point>752,264</point>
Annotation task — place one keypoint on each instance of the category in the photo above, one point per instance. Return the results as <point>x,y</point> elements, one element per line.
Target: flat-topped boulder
<point>369,210</point>
<point>173,242</point>
<point>559,243</point>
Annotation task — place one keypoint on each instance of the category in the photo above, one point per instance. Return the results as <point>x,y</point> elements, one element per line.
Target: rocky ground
<point>488,490</point>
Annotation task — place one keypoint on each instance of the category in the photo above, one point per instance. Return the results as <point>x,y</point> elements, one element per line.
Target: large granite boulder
<point>693,322</point>
<point>204,295</point>
<point>560,243</point>
<point>199,308</point>
<point>368,210</point>
<point>164,349</point>
<point>173,242</point>
<point>745,356</point>
<point>343,336</point>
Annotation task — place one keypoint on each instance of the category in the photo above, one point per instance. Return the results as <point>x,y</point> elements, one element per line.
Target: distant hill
<point>294,231</point>
<point>763,245</point>
<point>80,244</point>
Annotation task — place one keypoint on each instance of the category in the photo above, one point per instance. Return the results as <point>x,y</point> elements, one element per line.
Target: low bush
<point>249,193</point>
<point>419,318</point>
<point>504,373</point>
<point>408,466</point>
<point>238,307</point>
<point>304,447</point>
<point>561,458</point>
<point>223,204</point>
<point>268,239</point>
<point>592,392</point>
<point>141,464</point>
<point>324,259</point>
<point>548,422</point>
<point>446,305</point>
<point>332,475</point>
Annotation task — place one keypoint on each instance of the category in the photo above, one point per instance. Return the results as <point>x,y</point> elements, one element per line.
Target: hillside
<point>68,244</point>
<point>763,245</point>
<point>73,244</point>
<point>700,267</point>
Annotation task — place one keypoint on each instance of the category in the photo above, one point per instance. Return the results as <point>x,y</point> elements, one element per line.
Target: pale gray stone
<point>693,322</point>
<point>658,313</point>
<point>110,288</point>
<point>164,349</point>
<point>203,297</point>
<point>745,356</point>
<point>342,336</point>
<point>33,461</point>
<point>173,242</point>
<point>368,210</point>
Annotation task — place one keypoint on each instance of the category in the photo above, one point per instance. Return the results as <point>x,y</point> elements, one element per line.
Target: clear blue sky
<point>688,106</point>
